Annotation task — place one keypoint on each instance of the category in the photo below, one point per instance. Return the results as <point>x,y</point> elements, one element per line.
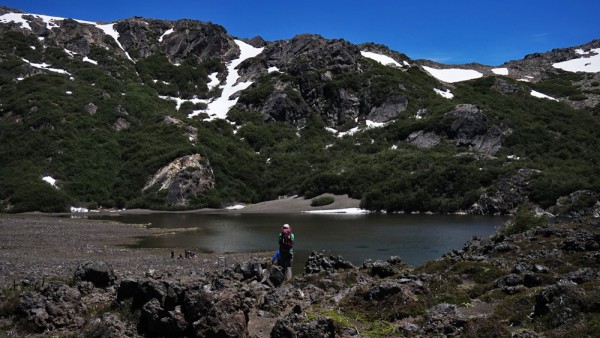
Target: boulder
<point>249,269</point>
<point>157,322</point>
<point>317,262</point>
<point>423,140</point>
<point>389,109</point>
<point>98,273</point>
<point>468,126</point>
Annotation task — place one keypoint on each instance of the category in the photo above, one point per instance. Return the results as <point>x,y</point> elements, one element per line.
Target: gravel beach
<point>37,246</point>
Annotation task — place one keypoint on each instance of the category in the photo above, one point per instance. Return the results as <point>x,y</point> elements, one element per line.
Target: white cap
<point>286,226</point>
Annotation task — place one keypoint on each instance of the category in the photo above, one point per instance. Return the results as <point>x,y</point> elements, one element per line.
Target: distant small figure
<point>286,250</point>
<point>192,255</point>
<point>172,254</point>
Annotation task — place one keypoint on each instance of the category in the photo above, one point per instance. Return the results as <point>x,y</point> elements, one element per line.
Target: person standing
<point>286,250</point>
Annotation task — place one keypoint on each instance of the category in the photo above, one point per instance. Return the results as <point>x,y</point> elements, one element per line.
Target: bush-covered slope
<point>92,114</point>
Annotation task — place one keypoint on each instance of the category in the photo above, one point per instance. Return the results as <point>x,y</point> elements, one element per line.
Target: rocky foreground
<point>538,282</point>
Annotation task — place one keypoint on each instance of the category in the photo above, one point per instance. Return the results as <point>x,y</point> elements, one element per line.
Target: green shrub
<point>525,219</point>
<point>321,201</point>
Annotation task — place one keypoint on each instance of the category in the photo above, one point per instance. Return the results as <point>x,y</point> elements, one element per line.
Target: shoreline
<point>35,247</point>
<point>285,205</point>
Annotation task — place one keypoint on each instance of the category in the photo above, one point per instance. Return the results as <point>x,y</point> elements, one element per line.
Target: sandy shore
<point>282,205</point>
<point>37,246</point>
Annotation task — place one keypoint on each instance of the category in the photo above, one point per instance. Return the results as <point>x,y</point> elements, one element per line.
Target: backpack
<point>287,240</point>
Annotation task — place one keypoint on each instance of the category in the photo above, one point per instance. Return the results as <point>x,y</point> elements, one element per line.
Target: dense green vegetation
<point>47,128</point>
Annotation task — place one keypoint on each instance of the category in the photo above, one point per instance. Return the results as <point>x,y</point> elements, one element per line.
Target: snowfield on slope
<point>383,59</point>
<point>589,63</point>
<point>50,22</point>
<point>452,75</point>
<point>218,108</point>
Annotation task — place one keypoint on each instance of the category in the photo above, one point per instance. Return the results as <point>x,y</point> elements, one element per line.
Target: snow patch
<point>51,22</point>
<point>236,207</point>
<point>87,59</point>
<point>383,59</point>
<point>109,29</point>
<point>68,92</point>
<point>50,180</point>
<point>16,18</point>
<point>47,67</point>
<point>273,69</point>
<point>180,101</point>
<point>446,94</point>
<point>542,95</point>
<point>500,71</point>
<point>368,125</point>
<point>219,107</point>
<point>167,32</point>
<point>75,209</point>
<point>214,81</point>
<point>452,75</point>
<point>347,211</point>
<point>590,64</point>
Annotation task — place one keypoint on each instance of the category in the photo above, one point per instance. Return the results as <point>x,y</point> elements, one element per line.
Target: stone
<point>389,110</point>
<point>424,140</point>
<point>98,273</point>
<point>91,108</point>
<point>468,126</point>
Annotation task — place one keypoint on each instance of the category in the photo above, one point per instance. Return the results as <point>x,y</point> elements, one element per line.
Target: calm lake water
<point>415,238</point>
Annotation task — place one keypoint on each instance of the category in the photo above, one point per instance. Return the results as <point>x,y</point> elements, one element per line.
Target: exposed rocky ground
<point>541,282</point>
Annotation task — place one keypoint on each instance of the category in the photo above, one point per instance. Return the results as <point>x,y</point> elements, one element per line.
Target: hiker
<point>286,250</point>
<point>172,254</point>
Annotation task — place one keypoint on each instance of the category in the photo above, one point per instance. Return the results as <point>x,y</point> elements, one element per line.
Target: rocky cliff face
<point>183,179</point>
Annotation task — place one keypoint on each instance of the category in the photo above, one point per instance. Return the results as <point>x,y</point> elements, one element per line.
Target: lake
<point>415,238</point>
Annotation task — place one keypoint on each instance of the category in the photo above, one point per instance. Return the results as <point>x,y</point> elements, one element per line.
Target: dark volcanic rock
<point>55,307</point>
<point>317,262</point>
<point>294,325</point>
<point>97,272</point>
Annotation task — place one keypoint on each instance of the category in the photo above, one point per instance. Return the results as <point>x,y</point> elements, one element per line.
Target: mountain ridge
<point>326,110</point>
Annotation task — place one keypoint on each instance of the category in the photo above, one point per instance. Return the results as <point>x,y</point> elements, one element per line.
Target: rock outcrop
<point>545,276</point>
<point>184,178</point>
<point>505,195</point>
<point>468,126</point>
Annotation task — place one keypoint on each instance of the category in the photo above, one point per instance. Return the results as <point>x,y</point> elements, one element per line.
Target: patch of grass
<point>479,272</point>
<point>515,309</point>
<point>366,326</point>
<point>446,290</point>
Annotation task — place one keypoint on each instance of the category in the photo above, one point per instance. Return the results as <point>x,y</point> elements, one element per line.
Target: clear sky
<point>449,31</point>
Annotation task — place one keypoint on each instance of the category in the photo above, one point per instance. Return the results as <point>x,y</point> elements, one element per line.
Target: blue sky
<point>450,31</point>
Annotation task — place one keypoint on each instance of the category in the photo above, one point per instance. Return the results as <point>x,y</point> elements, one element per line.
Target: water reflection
<point>415,238</point>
